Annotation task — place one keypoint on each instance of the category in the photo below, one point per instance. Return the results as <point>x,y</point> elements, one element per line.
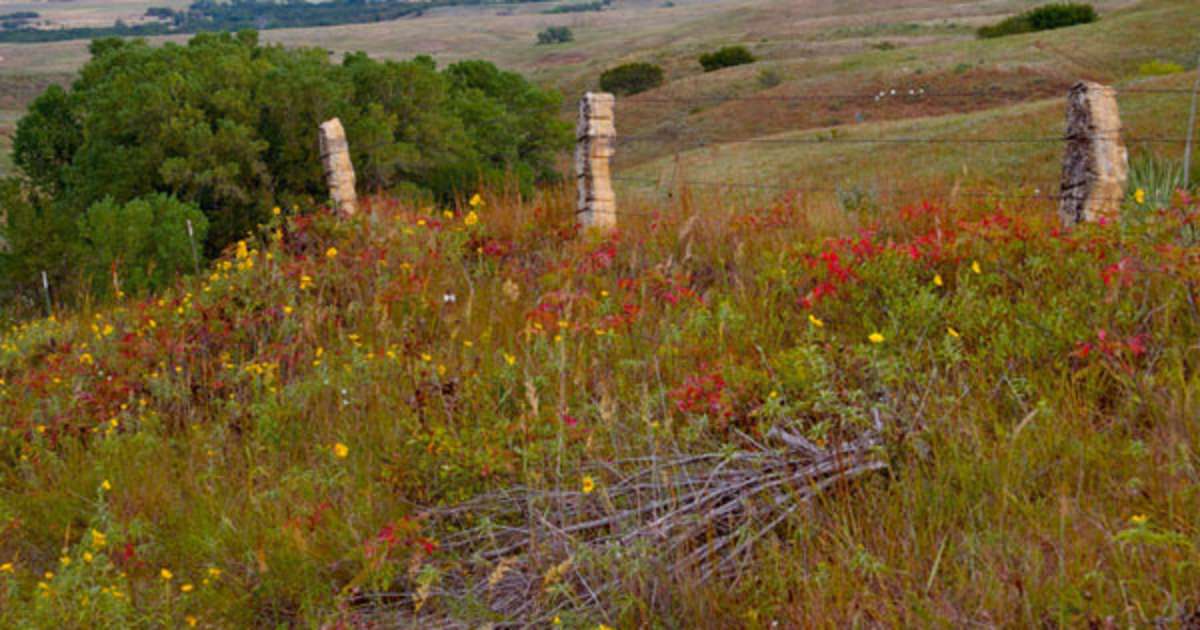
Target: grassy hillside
<point>282,440</point>
<point>814,47</point>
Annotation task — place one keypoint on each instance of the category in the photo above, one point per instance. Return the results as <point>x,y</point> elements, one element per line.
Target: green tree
<point>47,138</point>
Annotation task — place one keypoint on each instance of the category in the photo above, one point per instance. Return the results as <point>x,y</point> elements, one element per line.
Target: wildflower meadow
<point>306,433</point>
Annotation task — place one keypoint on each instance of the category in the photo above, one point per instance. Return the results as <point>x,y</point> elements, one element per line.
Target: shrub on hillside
<point>1043,18</point>
<point>631,78</point>
<point>138,246</point>
<point>555,35</point>
<point>726,57</point>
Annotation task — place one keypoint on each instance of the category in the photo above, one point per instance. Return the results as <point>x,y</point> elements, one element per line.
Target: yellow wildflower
<point>587,484</point>
<point>953,333</point>
<point>86,359</point>
<point>1140,196</point>
<point>340,450</point>
<point>166,574</point>
<point>275,211</point>
<point>191,621</point>
<point>937,280</point>
<point>975,266</point>
<point>87,557</point>
<point>105,485</point>
<point>815,321</point>
<point>510,359</point>
<point>1139,519</point>
<point>332,252</point>
<point>241,250</point>
<point>186,588</point>
<point>7,567</point>
<point>875,337</point>
<point>476,201</point>
<point>214,572</point>
<point>471,218</point>
<point>98,539</point>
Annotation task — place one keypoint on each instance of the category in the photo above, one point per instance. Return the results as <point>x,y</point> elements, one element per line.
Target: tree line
<point>219,131</point>
<point>235,15</point>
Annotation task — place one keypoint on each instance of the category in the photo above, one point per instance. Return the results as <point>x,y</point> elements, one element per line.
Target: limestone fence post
<point>596,136</point>
<point>339,170</point>
<point>1096,164</point>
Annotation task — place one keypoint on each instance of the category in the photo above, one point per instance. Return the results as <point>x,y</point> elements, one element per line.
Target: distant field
<point>810,46</point>
<point>77,13</point>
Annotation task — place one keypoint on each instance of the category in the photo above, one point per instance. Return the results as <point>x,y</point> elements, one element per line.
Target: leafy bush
<point>1043,18</point>
<point>631,78</point>
<point>140,245</point>
<point>726,57</point>
<point>36,236</point>
<point>555,35</point>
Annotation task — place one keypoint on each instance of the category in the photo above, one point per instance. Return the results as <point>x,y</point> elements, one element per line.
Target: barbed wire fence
<point>1108,139</point>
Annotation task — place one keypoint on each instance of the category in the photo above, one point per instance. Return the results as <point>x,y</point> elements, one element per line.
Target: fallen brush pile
<point>524,556</point>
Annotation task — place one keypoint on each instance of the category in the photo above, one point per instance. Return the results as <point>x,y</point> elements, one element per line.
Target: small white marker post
<point>192,242</point>
<point>46,293</point>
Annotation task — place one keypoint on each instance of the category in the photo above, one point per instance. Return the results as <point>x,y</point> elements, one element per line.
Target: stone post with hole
<point>596,136</point>
<point>1096,164</point>
<point>339,170</point>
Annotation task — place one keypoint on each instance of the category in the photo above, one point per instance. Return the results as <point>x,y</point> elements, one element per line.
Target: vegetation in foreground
<point>261,445</point>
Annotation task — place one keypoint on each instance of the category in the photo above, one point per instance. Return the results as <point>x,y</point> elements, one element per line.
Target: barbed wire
<point>910,94</point>
<point>901,140</point>
<point>973,193</point>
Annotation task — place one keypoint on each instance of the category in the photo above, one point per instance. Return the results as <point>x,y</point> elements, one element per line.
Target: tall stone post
<point>339,171</point>
<point>1096,164</point>
<point>596,137</point>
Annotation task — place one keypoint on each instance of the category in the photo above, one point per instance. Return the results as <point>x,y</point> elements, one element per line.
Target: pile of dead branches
<point>524,555</point>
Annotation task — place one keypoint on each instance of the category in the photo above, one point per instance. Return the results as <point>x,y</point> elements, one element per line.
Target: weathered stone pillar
<point>596,137</point>
<point>1096,164</point>
<point>339,171</point>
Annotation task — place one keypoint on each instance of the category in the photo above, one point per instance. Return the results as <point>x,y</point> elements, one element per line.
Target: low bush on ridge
<point>257,446</point>
<point>726,57</point>
<point>631,78</point>
<point>1043,18</point>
